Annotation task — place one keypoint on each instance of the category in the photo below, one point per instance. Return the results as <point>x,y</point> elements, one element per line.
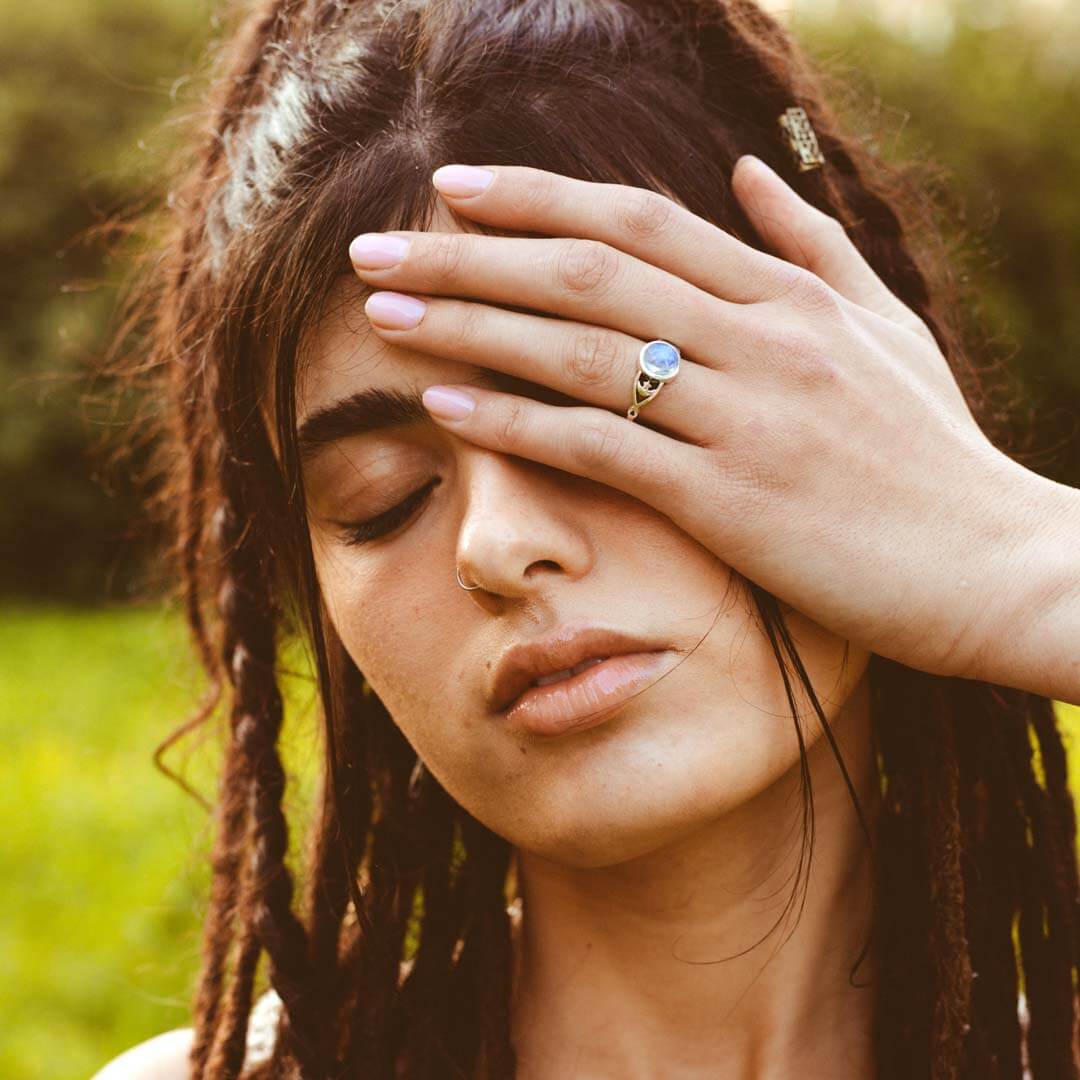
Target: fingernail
<point>376,251</point>
<point>394,310</point>
<point>461,180</point>
<point>448,404</point>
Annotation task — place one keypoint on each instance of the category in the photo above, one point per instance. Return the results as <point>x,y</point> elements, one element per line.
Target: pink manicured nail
<point>448,404</point>
<point>376,251</point>
<point>394,310</point>
<point>461,180</point>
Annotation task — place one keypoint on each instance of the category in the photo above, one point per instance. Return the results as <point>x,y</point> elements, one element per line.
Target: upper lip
<point>520,665</point>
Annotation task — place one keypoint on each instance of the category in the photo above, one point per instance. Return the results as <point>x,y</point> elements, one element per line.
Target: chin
<point>595,847</point>
<point>615,823</point>
<point>647,793</point>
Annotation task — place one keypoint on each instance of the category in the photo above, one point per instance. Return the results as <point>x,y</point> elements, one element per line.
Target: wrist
<point>1032,636</point>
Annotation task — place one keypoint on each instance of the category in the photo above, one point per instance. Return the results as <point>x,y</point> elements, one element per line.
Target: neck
<point>650,968</point>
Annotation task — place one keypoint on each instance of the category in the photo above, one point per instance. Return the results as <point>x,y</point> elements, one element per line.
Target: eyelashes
<point>365,531</point>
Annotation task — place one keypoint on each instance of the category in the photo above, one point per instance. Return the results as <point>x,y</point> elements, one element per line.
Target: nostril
<point>549,564</point>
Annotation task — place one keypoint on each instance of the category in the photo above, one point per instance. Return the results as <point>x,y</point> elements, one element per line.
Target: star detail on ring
<point>658,363</point>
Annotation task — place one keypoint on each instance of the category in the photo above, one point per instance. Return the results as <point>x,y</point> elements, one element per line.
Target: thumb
<point>808,237</point>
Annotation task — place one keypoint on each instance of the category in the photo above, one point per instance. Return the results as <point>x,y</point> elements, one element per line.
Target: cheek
<point>709,737</point>
<point>398,628</point>
<point>712,737</point>
<point>386,618</point>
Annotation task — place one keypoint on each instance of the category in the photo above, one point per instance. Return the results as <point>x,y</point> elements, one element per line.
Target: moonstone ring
<point>658,363</point>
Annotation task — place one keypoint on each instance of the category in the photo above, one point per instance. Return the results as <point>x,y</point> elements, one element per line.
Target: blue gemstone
<point>659,360</point>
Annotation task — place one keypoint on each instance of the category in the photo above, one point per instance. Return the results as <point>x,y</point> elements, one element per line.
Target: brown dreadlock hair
<point>326,121</point>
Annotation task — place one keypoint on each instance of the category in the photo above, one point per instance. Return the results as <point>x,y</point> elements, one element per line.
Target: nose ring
<point>467,588</point>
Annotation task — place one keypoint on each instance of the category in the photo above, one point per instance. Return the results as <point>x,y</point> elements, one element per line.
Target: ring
<point>658,363</point>
<point>467,588</point>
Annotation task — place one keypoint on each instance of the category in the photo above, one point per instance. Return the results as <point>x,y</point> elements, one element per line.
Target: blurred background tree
<point>84,88</point>
<point>105,859</point>
<point>990,90</point>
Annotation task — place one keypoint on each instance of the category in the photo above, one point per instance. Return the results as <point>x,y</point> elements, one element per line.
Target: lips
<point>522,665</point>
<point>562,676</point>
<point>589,698</point>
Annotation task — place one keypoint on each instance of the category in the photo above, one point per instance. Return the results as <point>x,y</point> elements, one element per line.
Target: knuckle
<point>584,266</point>
<point>592,358</point>
<point>811,295</point>
<point>830,228</point>
<point>805,360</point>
<point>740,479</point>
<point>466,327</point>
<point>598,444</point>
<point>445,254</point>
<point>534,193</point>
<point>512,424</point>
<point>642,213</point>
<point>754,490</point>
<point>779,278</point>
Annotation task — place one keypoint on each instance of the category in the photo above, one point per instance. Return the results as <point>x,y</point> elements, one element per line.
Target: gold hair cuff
<point>801,138</point>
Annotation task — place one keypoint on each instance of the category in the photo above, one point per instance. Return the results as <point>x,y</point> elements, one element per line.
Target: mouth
<point>587,697</point>
<point>560,676</point>
<point>574,679</point>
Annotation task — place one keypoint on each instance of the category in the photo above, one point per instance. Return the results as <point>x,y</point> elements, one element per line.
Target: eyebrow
<point>377,409</point>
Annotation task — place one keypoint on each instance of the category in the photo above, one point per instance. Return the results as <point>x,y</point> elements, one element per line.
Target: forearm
<point>1034,643</point>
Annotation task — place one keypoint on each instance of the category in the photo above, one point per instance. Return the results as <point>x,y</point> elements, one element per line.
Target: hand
<point>814,438</point>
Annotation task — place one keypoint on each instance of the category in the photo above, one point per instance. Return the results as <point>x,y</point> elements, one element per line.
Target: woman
<point>808,814</point>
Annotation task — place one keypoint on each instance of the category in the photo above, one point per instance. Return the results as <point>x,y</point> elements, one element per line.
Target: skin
<point>648,846</point>
<point>824,452</point>
<point>818,443</point>
<point>815,439</point>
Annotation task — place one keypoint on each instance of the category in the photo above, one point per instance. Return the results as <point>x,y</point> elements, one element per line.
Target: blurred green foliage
<point>101,857</point>
<point>105,860</point>
<point>990,89</point>
<point>85,89</point>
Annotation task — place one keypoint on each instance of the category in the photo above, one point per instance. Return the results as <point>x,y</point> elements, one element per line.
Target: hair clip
<point>801,137</point>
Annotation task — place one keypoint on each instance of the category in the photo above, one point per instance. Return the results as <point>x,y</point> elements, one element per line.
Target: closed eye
<point>363,532</point>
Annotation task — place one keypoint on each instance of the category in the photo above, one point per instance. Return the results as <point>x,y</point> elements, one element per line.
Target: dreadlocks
<point>327,119</point>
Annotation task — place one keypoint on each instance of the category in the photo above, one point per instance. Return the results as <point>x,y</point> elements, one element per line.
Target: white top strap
<point>262,1027</point>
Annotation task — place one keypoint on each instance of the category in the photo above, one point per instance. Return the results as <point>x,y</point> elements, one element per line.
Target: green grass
<point>99,939</point>
<point>104,859</point>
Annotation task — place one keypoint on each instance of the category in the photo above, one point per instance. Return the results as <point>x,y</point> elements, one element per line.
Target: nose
<point>521,528</point>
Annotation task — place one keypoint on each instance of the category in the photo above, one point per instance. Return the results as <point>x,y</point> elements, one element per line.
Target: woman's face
<point>710,729</point>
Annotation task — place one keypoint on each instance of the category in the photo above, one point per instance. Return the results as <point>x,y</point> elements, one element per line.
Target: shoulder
<point>164,1057</point>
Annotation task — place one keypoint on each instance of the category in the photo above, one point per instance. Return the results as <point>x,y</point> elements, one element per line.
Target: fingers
<point>640,222</point>
<point>589,363</point>
<point>806,236</point>
<point>585,280</point>
<point>587,442</point>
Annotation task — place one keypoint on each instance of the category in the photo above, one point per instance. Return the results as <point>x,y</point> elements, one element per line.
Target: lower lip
<point>587,698</point>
